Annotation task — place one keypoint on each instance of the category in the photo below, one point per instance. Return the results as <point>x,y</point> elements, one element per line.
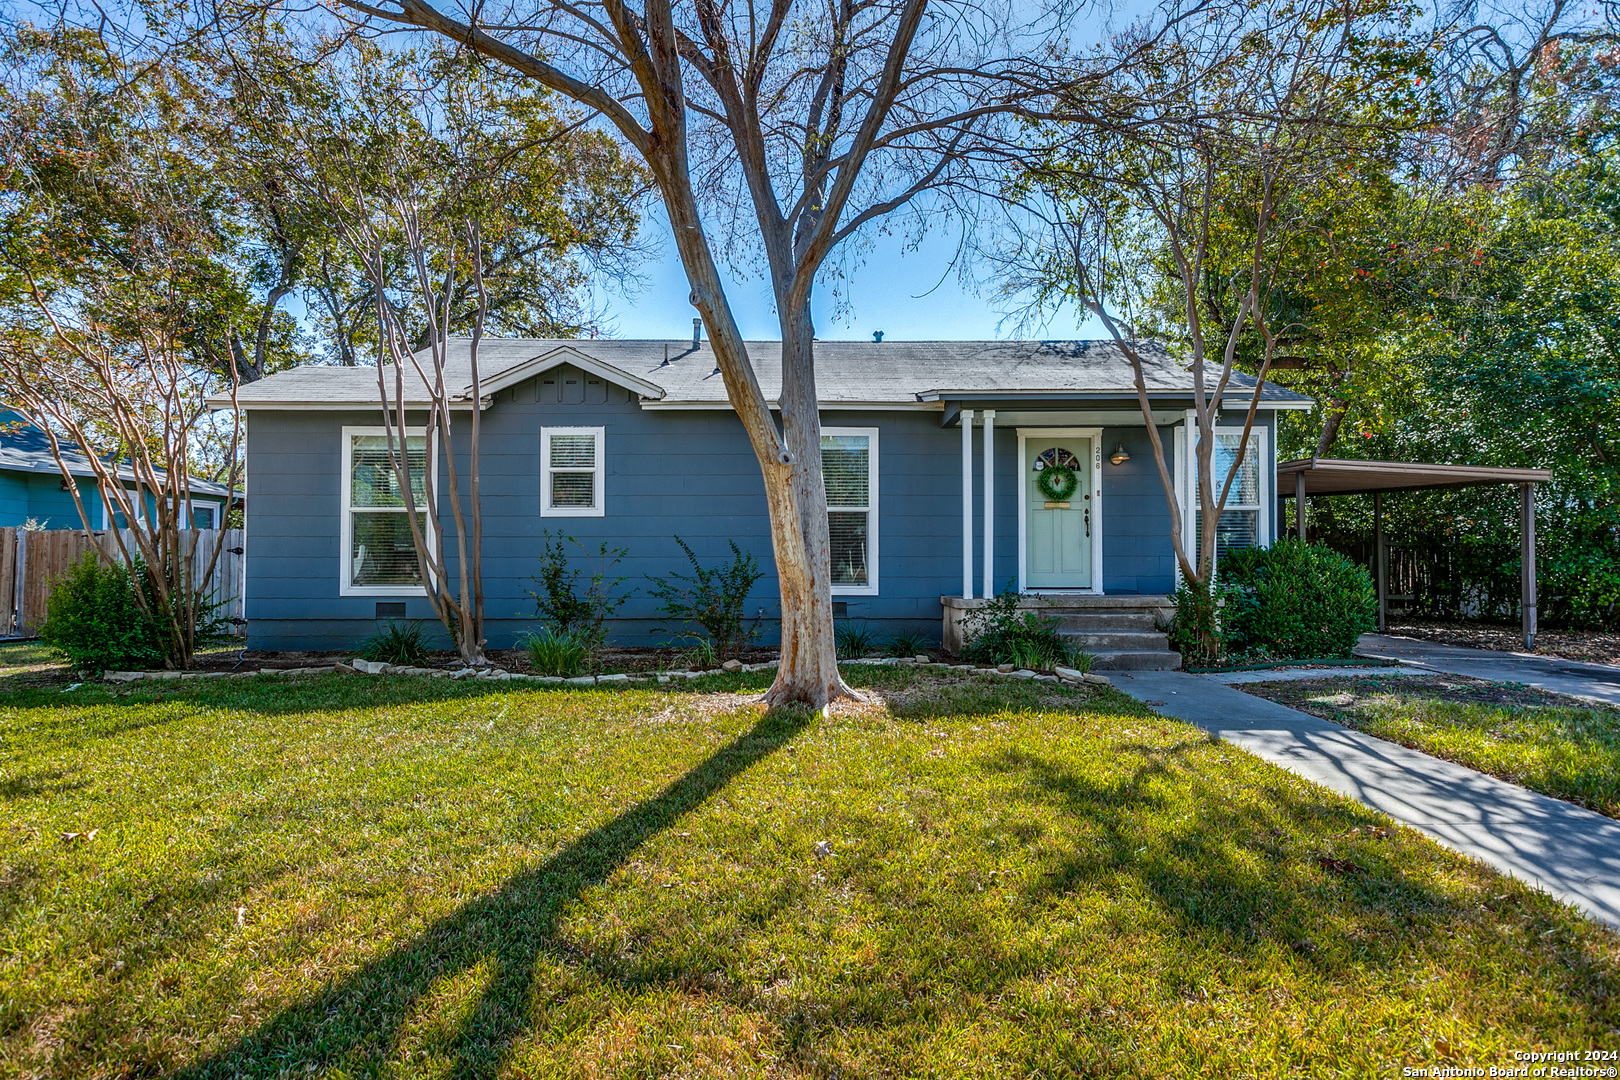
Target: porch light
<point>1120,456</point>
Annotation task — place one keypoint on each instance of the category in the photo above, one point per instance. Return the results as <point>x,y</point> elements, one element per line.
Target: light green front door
<point>1057,532</point>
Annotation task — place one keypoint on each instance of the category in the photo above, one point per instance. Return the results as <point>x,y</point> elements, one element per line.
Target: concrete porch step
<point>1094,641</point>
<point>1106,620</point>
<point>1089,602</point>
<point>1136,661</point>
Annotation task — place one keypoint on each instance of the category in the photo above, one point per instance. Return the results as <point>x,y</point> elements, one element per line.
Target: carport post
<point>1299,504</point>
<point>1527,563</point>
<point>1382,556</point>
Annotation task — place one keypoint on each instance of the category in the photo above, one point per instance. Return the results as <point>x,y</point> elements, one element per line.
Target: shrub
<point>94,618</point>
<point>712,600</point>
<point>999,633</point>
<point>400,643</point>
<point>906,643</point>
<point>1195,630</point>
<point>554,651</point>
<point>854,641</point>
<point>561,604</point>
<point>1294,600</point>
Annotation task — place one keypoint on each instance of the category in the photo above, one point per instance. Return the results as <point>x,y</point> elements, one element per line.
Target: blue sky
<point>909,295</point>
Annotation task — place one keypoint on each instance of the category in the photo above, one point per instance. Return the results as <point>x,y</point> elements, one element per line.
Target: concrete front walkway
<point>1572,853</point>
<point>1599,682</point>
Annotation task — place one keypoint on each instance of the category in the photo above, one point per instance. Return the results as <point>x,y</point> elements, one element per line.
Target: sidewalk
<point>1598,682</point>
<point>1572,853</point>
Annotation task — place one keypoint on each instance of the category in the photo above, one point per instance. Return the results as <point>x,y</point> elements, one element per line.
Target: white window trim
<point>871,509</point>
<point>1093,482</point>
<point>598,479</point>
<point>1187,482</point>
<point>346,527</point>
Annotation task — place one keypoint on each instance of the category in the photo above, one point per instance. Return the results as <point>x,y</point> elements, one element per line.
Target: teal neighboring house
<point>32,487</point>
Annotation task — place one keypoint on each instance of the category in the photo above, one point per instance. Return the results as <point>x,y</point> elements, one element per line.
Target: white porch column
<point>967,504</point>
<point>989,503</point>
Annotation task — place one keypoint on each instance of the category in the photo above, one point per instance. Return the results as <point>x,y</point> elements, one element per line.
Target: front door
<point>1058,523</point>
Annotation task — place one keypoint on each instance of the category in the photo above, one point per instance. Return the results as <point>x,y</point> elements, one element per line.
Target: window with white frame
<point>1243,521</point>
<point>571,472</point>
<point>379,556</point>
<point>849,473</point>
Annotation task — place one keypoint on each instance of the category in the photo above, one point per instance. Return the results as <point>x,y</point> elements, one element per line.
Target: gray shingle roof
<point>25,448</point>
<point>847,372</point>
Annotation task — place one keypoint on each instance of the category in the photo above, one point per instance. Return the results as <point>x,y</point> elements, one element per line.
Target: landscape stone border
<point>1068,676</point>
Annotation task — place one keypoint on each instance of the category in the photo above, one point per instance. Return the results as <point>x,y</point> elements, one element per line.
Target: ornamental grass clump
<point>906,643</point>
<point>397,643</point>
<point>563,653</point>
<point>855,640</point>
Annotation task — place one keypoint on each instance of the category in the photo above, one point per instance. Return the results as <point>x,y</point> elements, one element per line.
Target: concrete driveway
<point>1596,682</point>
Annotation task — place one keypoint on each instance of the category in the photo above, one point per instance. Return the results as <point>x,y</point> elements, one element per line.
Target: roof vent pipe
<point>697,332</point>
<point>877,335</point>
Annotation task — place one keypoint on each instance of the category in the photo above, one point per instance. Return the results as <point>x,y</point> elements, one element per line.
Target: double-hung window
<point>1243,522</point>
<point>571,472</point>
<point>849,472</point>
<point>379,556</point>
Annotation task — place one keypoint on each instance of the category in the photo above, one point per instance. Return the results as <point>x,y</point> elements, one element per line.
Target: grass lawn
<point>339,877</point>
<point>1557,745</point>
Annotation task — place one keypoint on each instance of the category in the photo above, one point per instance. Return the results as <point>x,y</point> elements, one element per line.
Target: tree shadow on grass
<point>356,1025</point>
<point>1249,865</point>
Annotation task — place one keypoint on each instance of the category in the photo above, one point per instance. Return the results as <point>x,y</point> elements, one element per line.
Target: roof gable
<point>555,358</point>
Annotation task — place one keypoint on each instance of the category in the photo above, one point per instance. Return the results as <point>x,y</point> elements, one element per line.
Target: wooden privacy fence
<point>32,559</point>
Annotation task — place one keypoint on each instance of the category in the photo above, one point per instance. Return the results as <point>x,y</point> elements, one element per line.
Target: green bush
<point>95,620</point>
<point>711,603</point>
<point>561,603</point>
<point>554,651</point>
<point>401,644</point>
<point>1293,601</point>
<point>999,633</point>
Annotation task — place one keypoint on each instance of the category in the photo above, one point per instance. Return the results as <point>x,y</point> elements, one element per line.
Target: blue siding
<point>1137,554</point>
<point>669,472</point>
<point>39,495</point>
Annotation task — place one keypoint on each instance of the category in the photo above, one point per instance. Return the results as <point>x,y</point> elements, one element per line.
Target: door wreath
<point>1057,482</point>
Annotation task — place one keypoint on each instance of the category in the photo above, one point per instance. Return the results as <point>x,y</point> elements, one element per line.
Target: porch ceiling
<point>1337,476</point>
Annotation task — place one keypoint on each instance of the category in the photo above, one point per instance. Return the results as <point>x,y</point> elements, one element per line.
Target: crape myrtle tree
<point>119,308</point>
<point>1188,225</point>
<point>799,124</point>
<point>451,189</point>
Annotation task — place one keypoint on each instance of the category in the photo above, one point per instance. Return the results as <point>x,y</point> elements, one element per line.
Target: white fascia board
<point>564,354</point>
<point>336,406</point>
<point>824,406</point>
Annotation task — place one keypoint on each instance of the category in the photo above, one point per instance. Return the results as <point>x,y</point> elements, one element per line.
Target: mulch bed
<point>514,660</point>
<point>1329,696</point>
<point>1588,645</point>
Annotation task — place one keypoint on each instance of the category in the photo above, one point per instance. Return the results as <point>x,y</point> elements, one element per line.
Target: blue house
<point>933,453</point>
<point>32,488</point>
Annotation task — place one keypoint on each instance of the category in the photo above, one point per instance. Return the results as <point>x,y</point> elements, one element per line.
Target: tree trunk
<point>789,458</point>
<point>808,668</point>
<point>1330,429</point>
